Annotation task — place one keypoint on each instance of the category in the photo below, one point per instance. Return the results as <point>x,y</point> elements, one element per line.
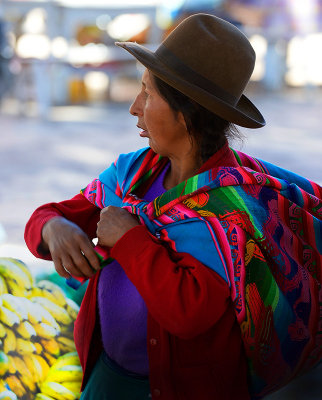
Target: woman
<point>210,280</point>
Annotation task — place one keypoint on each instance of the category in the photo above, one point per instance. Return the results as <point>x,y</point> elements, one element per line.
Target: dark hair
<point>208,129</point>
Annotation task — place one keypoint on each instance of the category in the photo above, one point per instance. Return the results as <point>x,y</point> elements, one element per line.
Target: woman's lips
<point>144,133</point>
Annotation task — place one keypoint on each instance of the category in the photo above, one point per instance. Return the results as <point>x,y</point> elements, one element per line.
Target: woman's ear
<point>181,120</point>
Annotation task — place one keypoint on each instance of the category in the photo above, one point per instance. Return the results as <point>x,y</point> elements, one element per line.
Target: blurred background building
<point>55,52</point>
<point>65,90</point>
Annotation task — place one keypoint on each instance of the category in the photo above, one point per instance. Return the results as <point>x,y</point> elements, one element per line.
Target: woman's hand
<point>71,250</point>
<point>113,224</point>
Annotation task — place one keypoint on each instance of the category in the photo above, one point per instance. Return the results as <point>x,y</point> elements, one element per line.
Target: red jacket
<point>194,343</point>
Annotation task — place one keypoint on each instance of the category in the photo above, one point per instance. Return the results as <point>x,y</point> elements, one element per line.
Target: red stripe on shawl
<point>118,190</point>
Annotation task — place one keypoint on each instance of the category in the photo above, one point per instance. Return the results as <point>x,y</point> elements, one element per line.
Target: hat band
<point>173,62</point>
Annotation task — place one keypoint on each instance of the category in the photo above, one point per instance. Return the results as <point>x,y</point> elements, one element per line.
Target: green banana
<point>52,291</point>
<point>57,391</point>
<point>67,373</point>
<point>59,313</point>
<point>4,363</point>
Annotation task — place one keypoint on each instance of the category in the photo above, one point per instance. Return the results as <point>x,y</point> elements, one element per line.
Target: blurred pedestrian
<point>212,290</point>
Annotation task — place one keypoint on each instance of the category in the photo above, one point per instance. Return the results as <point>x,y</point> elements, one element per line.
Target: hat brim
<point>244,113</point>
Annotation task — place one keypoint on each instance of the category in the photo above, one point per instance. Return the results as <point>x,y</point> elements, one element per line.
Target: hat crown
<point>202,37</point>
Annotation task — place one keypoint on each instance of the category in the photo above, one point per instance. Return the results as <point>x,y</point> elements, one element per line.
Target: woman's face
<point>165,128</point>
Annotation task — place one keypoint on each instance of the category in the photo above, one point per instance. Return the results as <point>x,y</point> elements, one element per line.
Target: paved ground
<point>51,160</point>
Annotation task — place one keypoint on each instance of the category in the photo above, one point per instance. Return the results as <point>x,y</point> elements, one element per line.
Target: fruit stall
<point>38,359</point>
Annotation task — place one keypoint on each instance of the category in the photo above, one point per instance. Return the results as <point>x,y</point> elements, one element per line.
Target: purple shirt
<point>123,313</point>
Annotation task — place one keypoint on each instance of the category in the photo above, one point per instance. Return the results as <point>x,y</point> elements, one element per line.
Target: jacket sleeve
<point>78,210</point>
<point>183,295</point>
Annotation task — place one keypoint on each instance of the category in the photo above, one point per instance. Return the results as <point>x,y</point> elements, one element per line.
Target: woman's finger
<point>72,267</point>
<point>88,252</point>
<point>60,268</point>
<point>82,265</point>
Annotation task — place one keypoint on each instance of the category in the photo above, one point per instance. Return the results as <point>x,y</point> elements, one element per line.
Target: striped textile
<point>259,227</point>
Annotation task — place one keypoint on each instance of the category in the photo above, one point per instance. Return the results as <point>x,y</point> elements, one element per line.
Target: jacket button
<point>153,342</point>
<point>156,393</point>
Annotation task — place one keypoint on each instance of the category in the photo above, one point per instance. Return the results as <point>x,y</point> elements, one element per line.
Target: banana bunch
<point>36,337</point>
<point>63,381</point>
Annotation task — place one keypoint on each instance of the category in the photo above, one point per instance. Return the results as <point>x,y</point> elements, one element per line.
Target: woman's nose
<point>135,108</point>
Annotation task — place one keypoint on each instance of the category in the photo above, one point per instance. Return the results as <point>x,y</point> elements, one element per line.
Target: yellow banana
<point>16,386</point>
<point>75,387</point>
<point>3,331</point>
<point>46,331</point>
<point>25,347</point>
<point>66,345</point>
<point>38,313</point>
<point>58,312</point>
<point>51,346</point>
<point>52,292</point>
<point>44,365</point>
<point>28,382</point>
<point>16,305</point>
<point>49,358</point>
<point>4,363</point>
<point>20,264</point>
<point>15,289</point>
<point>67,330</point>
<point>57,391</point>
<point>8,395</point>
<point>34,366</point>
<point>12,365</point>
<point>2,385</point>
<point>9,342</point>
<point>67,373</point>
<point>9,269</point>
<point>72,308</point>
<point>3,286</point>
<point>41,396</point>
<point>20,364</point>
<point>39,348</point>
<point>8,317</point>
<point>34,312</point>
<point>26,330</point>
<point>67,359</point>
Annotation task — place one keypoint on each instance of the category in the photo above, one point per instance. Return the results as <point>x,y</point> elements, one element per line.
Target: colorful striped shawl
<point>261,226</point>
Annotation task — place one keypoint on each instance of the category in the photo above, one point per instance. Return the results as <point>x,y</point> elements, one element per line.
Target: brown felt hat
<point>210,61</point>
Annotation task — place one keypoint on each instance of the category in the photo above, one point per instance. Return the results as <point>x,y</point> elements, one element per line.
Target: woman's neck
<point>181,170</point>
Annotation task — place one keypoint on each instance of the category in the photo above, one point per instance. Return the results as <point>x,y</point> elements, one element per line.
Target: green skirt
<point>109,381</point>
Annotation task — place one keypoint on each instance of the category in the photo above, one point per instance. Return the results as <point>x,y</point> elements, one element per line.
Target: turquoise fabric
<point>108,381</point>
